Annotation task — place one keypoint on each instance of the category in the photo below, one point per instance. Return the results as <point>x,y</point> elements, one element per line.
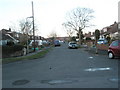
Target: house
<point>63,38</point>
<point>119,30</point>
<point>6,37</point>
<point>90,35</point>
<point>111,30</point>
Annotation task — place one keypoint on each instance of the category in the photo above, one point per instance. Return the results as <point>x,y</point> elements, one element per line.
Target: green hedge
<point>11,49</point>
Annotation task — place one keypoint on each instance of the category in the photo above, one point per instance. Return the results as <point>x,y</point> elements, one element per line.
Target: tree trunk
<point>96,51</point>
<point>79,36</point>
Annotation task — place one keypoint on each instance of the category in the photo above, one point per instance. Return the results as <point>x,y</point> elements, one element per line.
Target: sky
<point>50,14</point>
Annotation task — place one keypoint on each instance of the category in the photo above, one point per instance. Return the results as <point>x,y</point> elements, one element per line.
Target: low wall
<point>103,46</point>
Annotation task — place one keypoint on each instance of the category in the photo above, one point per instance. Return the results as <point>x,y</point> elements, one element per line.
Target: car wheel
<point>110,55</point>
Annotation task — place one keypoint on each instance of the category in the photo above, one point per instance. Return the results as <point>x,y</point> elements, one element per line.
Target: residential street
<point>63,68</point>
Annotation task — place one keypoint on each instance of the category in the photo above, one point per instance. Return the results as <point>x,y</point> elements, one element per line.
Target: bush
<point>10,43</point>
<point>8,50</point>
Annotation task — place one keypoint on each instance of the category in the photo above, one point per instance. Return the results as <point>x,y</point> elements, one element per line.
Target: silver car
<point>72,45</point>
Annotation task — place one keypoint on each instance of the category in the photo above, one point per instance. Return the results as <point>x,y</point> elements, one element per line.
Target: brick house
<point>111,30</point>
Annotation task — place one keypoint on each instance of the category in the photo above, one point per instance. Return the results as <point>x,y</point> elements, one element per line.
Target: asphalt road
<point>63,68</point>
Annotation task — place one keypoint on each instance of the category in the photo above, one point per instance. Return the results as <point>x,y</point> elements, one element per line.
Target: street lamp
<point>33,25</point>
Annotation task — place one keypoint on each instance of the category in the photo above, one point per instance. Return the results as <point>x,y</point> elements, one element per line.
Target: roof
<point>4,36</point>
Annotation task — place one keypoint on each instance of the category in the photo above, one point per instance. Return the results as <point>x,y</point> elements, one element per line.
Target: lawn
<point>34,56</point>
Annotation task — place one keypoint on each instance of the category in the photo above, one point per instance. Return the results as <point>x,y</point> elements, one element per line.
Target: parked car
<point>72,45</point>
<point>114,49</point>
<point>102,41</point>
<point>39,42</point>
<point>57,43</point>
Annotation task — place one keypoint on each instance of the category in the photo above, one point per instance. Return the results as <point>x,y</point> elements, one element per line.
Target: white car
<point>72,45</point>
<point>102,41</point>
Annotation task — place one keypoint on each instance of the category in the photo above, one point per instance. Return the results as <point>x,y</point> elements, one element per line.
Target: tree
<point>26,26</point>
<point>108,38</point>
<point>52,35</point>
<point>97,36</point>
<point>26,29</point>
<point>82,37</point>
<point>73,38</point>
<point>69,31</point>
<point>88,39</point>
<point>78,19</point>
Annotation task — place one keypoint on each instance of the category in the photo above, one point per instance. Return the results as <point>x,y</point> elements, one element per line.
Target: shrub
<point>10,43</point>
<point>8,50</point>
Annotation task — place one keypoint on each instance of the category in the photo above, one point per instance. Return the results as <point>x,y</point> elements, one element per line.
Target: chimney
<point>10,29</point>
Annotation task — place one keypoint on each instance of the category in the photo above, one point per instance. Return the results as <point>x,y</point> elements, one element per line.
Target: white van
<point>38,41</point>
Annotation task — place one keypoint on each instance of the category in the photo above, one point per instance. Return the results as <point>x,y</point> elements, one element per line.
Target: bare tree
<point>52,35</point>
<point>26,26</point>
<point>78,19</point>
<point>68,30</point>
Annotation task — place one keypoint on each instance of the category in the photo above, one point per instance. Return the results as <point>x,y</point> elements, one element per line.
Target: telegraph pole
<point>33,25</point>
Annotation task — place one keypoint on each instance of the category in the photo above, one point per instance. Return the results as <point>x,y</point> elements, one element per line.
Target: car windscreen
<point>72,43</point>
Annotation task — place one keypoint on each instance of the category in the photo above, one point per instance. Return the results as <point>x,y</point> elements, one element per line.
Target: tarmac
<point>92,50</point>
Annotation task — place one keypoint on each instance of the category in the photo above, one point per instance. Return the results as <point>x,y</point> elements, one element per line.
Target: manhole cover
<point>20,82</point>
<point>52,82</point>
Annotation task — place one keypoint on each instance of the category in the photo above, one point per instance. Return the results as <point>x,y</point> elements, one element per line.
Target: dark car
<point>72,45</point>
<point>114,49</point>
<point>57,43</point>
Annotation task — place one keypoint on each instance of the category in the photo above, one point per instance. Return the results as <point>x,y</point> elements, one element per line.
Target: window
<point>115,43</point>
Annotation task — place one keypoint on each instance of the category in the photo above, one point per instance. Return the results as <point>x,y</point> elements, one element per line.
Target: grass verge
<point>34,56</point>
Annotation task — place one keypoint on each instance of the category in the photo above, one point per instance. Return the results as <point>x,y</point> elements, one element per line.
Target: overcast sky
<point>50,14</point>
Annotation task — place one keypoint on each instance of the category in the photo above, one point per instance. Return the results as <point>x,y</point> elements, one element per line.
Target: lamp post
<point>33,25</point>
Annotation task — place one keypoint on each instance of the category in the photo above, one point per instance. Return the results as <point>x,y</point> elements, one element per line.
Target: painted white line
<point>97,69</point>
<point>90,57</point>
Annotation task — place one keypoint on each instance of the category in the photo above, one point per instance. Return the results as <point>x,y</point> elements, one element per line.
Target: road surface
<point>63,68</point>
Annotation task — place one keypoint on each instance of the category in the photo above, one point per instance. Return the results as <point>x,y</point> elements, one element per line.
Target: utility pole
<point>33,25</point>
